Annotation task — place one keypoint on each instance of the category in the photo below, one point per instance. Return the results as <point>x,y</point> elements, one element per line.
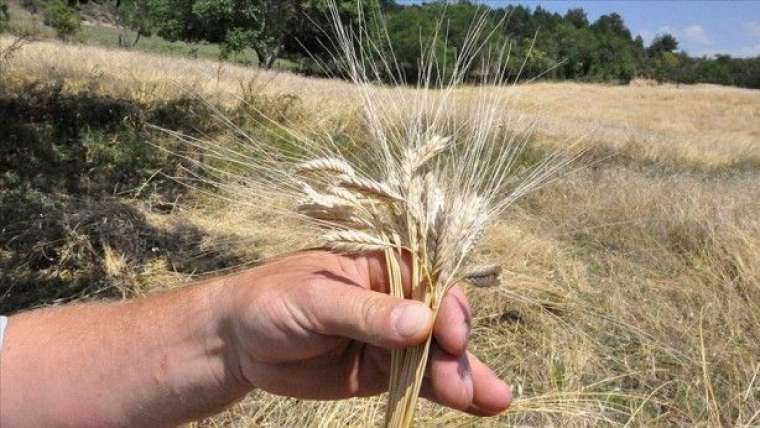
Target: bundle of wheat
<point>428,181</point>
<point>420,210</point>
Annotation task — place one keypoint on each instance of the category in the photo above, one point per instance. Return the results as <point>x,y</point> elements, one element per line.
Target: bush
<point>3,15</point>
<point>56,248</point>
<point>55,141</point>
<point>64,19</point>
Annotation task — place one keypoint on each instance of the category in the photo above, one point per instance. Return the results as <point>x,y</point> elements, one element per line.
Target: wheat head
<point>432,176</point>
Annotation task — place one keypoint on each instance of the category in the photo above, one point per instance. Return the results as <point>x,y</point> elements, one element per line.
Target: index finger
<point>454,322</point>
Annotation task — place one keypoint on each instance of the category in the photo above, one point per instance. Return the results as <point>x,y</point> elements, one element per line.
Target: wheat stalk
<point>433,177</point>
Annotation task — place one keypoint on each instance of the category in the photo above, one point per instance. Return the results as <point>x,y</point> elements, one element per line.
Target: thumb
<point>340,309</point>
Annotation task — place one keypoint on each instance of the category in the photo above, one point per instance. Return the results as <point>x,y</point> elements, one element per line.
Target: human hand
<point>318,325</point>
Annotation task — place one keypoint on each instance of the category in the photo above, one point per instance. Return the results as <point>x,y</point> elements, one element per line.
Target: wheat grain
<point>369,188</point>
<point>484,276</point>
<point>354,241</point>
<point>416,158</point>
<point>342,193</point>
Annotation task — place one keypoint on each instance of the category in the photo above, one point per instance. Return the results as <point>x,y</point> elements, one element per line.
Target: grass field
<point>632,283</point>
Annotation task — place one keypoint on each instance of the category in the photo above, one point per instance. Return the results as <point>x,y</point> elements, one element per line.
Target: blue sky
<point>701,27</point>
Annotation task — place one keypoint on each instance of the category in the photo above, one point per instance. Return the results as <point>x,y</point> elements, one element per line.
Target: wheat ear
<point>424,188</point>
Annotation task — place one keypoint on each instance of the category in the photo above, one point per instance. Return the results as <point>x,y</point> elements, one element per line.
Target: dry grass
<point>702,126</point>
<point>630,287</point>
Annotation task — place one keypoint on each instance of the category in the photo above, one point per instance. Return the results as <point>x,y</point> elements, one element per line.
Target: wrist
<point>224,296</point>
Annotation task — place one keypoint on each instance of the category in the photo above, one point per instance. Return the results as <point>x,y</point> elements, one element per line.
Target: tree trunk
<point>267,57</point>
<point>267,62</point>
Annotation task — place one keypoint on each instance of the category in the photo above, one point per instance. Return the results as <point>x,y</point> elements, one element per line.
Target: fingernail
<point>411,319</point>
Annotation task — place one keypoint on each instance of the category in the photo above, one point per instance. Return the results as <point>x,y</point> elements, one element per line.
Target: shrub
<point>55,141</point>
<point>3,15</point>
<point>56,248</point>
<point>64,19</point>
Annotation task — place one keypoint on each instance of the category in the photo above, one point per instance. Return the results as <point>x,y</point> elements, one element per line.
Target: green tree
<point>662,43</point>
<point>664,66</point>
<point>311,37</point>
<point>544,20</point>
<point>261,25</point>
<point>4,17</point>
<point>63,17</point>
<point>663,63</point>
<point>746,72</point>
<point>519,21</point>
<point>716,70</point>
<point>577,17</point>
<point>614,24</point>
<point>576,48</point>
<point>412,32</point>
<point>615,59</point>
<point>134,15</point>
<point>427,41</point>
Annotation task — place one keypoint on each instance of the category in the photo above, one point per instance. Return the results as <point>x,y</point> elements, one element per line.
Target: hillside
<point>98,29</point>
<point>630,288</point>
<point>709,126</point>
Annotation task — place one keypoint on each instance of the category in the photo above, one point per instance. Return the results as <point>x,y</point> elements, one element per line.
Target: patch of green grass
<point>109,37</point>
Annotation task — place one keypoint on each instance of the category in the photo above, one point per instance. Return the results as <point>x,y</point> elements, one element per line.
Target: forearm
<point>160,360</point>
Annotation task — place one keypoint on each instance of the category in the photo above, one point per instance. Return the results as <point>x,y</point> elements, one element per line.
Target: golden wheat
<point>424,186</point>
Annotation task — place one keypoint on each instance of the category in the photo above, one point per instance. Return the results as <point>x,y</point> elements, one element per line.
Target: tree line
<point>542,44</point>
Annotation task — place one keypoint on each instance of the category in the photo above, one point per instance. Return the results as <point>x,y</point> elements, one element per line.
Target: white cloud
<point>692,38</point>
<point>646,35</point>
<point>694,34</point>
<point>747,51</point>
<point>695,40</point>
<point>753,28</point>
<point>742,52</point>
<point>649,35</point>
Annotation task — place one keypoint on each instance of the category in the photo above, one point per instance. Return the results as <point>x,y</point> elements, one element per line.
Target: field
<point>632,282</point>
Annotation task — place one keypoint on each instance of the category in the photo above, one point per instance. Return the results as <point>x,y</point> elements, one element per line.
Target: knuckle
<point>367,311</point>
<point>311,290</point>
<point>310,296</point>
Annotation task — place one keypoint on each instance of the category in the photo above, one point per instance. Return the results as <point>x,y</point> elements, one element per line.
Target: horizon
<point>702,28</point>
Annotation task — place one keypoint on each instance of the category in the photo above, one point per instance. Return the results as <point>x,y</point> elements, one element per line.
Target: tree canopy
<point>543,44</point>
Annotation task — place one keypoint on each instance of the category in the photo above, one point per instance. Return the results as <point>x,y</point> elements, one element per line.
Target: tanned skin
<point>314,325</point>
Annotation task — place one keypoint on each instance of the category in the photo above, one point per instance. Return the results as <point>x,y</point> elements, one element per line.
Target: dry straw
<point>428,179</point>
